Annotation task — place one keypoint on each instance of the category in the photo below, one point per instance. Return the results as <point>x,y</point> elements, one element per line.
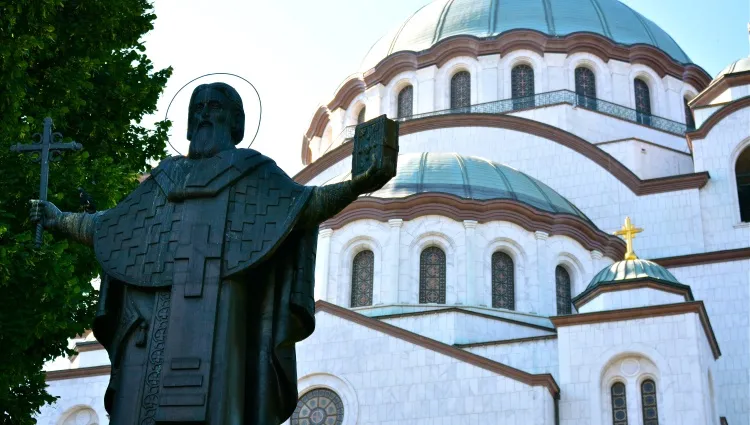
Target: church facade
<point>485,283</point>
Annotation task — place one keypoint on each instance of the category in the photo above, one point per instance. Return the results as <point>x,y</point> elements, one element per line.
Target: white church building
<point>485,284</point>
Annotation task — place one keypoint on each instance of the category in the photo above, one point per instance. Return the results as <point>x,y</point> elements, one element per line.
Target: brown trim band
<point>586,296</point>
<point>82,372</point>
<point>505,341</point>
<point>350,89</point>
<point>696,307</point>
<point>85,346</point>
<point>600,46</point>
<point>704,258</point>
<point>468,312</point>
<point>716,118</point>
<point>717,87</point>
<point>461,209</point>
<point>536,128</point>
<point>544,379</point>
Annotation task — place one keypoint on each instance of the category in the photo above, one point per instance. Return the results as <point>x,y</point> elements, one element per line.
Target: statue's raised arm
<point>374,161</point>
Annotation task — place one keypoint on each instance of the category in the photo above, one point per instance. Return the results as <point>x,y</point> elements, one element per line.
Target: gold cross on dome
<point>628,232</point>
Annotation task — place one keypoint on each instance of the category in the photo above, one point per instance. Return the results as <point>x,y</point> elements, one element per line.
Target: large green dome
<point>442,19</point>
<point>469,177</point>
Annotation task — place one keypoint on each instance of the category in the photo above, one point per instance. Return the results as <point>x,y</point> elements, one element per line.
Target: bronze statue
<point>207,274</point>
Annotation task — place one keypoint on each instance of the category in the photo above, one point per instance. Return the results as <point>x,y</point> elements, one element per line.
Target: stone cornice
<point>536,128</point>
<point>704,258</point>
<point>696,307</point>
<point>545,380</point>
<point>83,372</point>
<point>506,341</point>
<point>461,209</point>
<point>716,118</point>
<point>464,311</point>
<point>85,346</point>
<point>717,87</point>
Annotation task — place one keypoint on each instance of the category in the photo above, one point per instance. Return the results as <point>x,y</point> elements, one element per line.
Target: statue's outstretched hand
<point>375,177</point>
<point>45,211</point>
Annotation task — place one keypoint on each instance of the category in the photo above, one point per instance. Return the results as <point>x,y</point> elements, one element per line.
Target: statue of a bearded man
<point>207,276</point>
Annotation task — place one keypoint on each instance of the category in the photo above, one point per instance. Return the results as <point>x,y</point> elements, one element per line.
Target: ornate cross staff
<point>46,143</point>
<point>628,232</point>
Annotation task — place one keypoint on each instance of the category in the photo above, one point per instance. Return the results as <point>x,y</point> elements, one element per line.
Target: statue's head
<point>216,120</point>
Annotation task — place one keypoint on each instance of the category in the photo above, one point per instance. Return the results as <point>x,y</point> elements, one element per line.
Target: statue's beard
<point>204,143</point>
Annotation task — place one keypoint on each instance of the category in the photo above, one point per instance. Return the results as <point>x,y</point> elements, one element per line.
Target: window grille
<point>432,276</point>
<point>319,406</point>
<point>362,278</point>
<point>461,90</point>
<point>648,403</point>
<point>405,102</point>
<point>522,86</point>
<point>503,281</point>
<point>689,119</point>
<point>619,404</point>
<point>562,281</point>
<point>585,87</point>
<point>642,102</point>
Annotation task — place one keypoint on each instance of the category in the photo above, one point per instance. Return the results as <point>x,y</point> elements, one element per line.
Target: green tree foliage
<point>82,63</point>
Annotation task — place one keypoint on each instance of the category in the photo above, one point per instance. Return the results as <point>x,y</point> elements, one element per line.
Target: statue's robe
<point>207,285</point>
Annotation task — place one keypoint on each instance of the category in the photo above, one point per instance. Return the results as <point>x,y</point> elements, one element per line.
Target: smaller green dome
<point>736,67</point>
<point>626,270</point>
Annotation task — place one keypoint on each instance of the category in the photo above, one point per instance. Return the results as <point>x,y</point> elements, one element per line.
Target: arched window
<point>689,119</point>
<point>742,173</point>
<point>405,102</point>
<point>362,277</point>
<point>522,86</point>
<point>461,90</point>
<point>319,406</point>
<point>648,402</point>
<point>562,282</point>
<point>619,404</point>
<point>585,87</point>
<point>642,102</point>
<point>432,276</point>
<point>361,115</point>
<point>81,416</point>
<point>503,281</point>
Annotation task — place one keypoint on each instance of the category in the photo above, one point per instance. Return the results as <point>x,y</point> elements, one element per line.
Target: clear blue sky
<point>296,52</point>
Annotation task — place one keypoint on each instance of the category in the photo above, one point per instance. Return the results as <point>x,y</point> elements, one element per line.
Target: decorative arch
<point>342,387</point>
<point>356,105</point>
<point>607,369</point>
<point>394,88</point>
<point>80,414</point>
<point>516,252</point>
<point>523,57</point>
<point>597,66</point>
<point>655,86</point>
<point>444,242</point>
<point>446,72</point>
<point>349,252</point>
